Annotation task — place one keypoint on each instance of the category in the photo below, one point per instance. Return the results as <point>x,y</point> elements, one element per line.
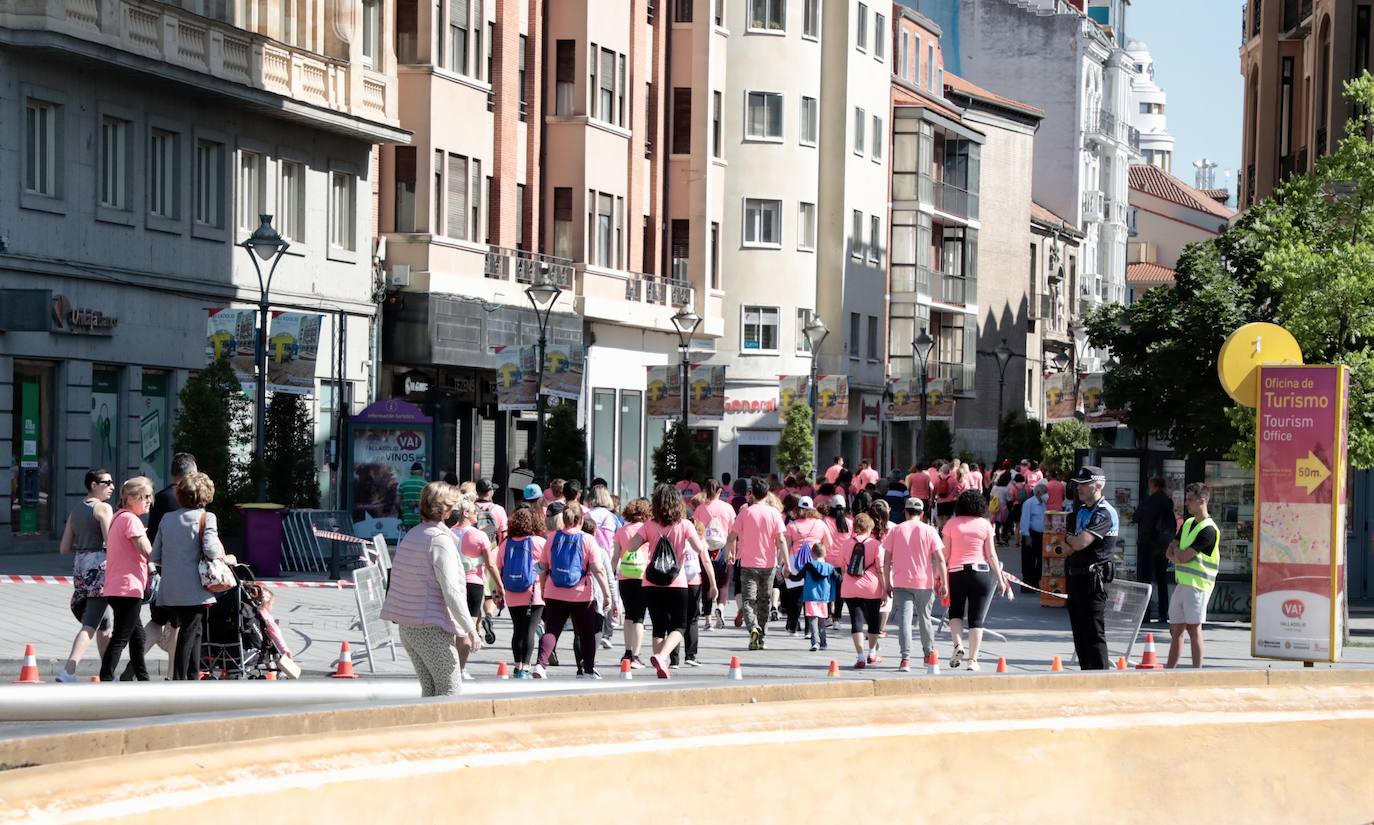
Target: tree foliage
<point>214,424</point>
<point>679,457</point>
<point>795,447</point>
<point>291,475</point>
<point>1301,259</point>
<point>1020,437</point>
<point>939,443</point>
<point>1061,442</point>
<point>565,443</point>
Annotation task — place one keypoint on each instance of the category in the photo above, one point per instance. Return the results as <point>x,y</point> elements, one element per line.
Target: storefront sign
<point>791,389</point>
<point>757,438</point>
<point>663,392</point>
<point>1299,578</point>
<point>75,320</point>
<point>232,334</point>
<point>757,406</point>
<point>293,346</point>
<point>832,399</point>
<point>708,391</point>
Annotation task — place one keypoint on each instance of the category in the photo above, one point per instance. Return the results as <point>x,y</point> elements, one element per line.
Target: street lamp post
<point>1062,361</point>
<point>1003,355</point>
<point>543,294</point>
<point>263,245</point>
<point>922,347</point>
<point>815,332</point>
<point>686,322</point>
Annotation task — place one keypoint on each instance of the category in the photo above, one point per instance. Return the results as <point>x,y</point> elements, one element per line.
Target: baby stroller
<point>241,641</point>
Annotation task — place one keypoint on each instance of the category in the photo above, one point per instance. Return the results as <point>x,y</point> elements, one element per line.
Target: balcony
<point>1297,17</point>
<point>959,375</point>
<point>952,200</point>
<point>1093,205</point>
<point>523,267</point>
<point>1132,138</point>
<point>630,299</point>
<point>942,287</point>
<point>665,292</point>
<point>1041,306</point>
<point>1114,212</point>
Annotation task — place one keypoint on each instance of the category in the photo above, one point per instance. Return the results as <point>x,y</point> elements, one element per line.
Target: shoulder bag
<point>215,575</point>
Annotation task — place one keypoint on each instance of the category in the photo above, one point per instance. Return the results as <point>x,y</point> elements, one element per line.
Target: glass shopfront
<point>31,483</point>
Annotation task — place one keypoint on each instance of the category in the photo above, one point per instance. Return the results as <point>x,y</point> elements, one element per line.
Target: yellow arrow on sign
<point>1311,472</point>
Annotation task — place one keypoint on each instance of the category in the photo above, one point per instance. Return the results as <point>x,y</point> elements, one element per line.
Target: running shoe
<point>520,674</point>
<point>763,640</point>
<point>691,661</point>
<point>488,632</point>
<point>538,672</point>
<point>973,665</point>
<point>468,677</point>
<point>904,666</point>
<point>579,673</point>
<point>659,667</point>
<point>754,642</point>
<point>718,619</point>
<point>673,665</point>
<point>957,658</point>
<point>860,664</point>
<point>636,663</point>
<point>553,660</point>
<point>64,676</point>
<point>739,619</point>
<point>592,674</point>
<point>773,614</point>
<point>815,648</point>
<point>605,643</point>
<point>875,659</point>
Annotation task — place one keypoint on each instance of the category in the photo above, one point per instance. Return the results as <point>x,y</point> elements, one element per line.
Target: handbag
<point>151,590</point>
<point>215,575</point>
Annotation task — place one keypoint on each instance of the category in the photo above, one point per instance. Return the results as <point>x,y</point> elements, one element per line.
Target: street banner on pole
<point>563,371</point>
<point>906,400</point>
<point>516,378</point>
<point>663,392</point>
<point>940,395</point>
<point>293,344</point>
<point>232,334</point>
<point>1300,478</point>
<point>708,391</point>
<point>1094,398</point>
<point>832,399</point>
<point>791,389</point>
<point>1058,397</point>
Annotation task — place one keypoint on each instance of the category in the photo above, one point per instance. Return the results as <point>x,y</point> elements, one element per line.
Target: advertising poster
<point>153,423</point>
<point>906,400</point>
<point>232,333</point>
<point>388,441</point>
<point>1094,398</point>
<point>1300,498</point>
<point>791,389</point>
<point>516,378</point>
<point>940,403</point>
<point>832,399</point>
<point>663,392</point>
<point>563,371</point>
<point>29,423</point>
<point>293,344</point>
<point>708,391</point>
<point>104,416</point>
<point>1058,397</point>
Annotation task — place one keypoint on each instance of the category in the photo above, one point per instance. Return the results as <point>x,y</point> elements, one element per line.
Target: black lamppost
<point>922,347</point>
<point>263,245</point>
<point>543,294</point>
<point>1003,355</point>
<point>815,332</point>
<point>686,322</point>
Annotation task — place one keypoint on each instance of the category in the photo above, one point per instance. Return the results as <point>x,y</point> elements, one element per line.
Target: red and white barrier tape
<point>1014,579</point>
<point>8,579</point>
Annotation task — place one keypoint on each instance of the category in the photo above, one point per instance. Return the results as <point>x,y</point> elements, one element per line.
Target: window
<point>762,222</point>
<point>479,56</point>
<point>605,221</point>
<point>562,221</point>
<point>803,344</point>
<point>456,198</point>
<point>593,63</point>
<point>719,11</point>
<point>873,338</point>
<point>856,235</point>
<point>855,334</point>
<point>763,120</point>
<point>930,66</point>
<point>291,194</point>
<point>114,163</point>
<point>565,67</point>
<point>439,34</point>
<point>879,36</point>
<point>620,94</point>
<point>904,56</point>
<point>606,108</point>
<point>209,183</point>
<point>458,35</point>
<point>41,148</point>
<point>164,162</point>
<point>491,38</point>
<point>407,31</point>
<point>343,208</point>
<point>760,333</point>
<point>861,29</point>
<point>476,194</point>
<point>717,104</point>
<point>715,255</point>
<point>1286,109</point>
<point>520,216</point>
<point>859,121</point>
<point>811,18</point>
<point>806,227</point>
<point>252,189</point>
<point>437,197</point>
<point>682,121</point>
<point>680,247</point>
<point>875,232</point>
<point>524,89</point>
<point>682,11</point>
<point>917,57</point>
<point>372,31</point>
<point>810,121</point>
<point>767,15</point>
<point>878,137</point>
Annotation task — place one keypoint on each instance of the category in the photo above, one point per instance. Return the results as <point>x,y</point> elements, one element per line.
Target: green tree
<point>565,443</point>
<point>1020,437</point>
<point>291,474</point>
<point>678,457</point>
<point>939,442</point>
<point>1060,442</point>
<point>795,447</point>
<point>214,424</point>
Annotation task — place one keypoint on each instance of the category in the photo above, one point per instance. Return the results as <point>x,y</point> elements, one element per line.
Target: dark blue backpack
<point>802,557</point>
<point>565,560</point>
<point>517,568</point>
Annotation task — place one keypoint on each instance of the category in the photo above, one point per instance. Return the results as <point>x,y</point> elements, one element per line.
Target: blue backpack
<point>517,568</point>
<point>802,557</point>
<point>565,560</point>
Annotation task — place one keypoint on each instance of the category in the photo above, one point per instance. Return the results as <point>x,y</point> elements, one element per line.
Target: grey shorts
<point>1187,605</point>
<point>93,611</point>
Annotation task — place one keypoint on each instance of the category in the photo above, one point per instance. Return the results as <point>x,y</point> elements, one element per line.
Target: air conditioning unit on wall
<point>400,275</point>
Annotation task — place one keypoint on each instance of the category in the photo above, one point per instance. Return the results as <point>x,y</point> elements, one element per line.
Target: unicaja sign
<point>80,320</point>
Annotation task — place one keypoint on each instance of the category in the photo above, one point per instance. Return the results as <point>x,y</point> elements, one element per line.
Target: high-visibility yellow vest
<point>1200,572</point>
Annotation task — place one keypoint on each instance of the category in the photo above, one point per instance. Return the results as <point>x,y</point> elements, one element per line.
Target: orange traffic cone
<point>28,673</point>
<point>1001,664</point>
<point>625,672</point>
<point>1148,659</point>
<point>736,672</point>
<point>834,669</point>
<point>502,672</point>
<point>345,667</point>
<point>1056,665</point>
<point>932,664</point>
<point>1121,663</point>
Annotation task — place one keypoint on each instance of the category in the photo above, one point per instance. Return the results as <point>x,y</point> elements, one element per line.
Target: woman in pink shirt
<point>667,599</point>
<point>715,519</point>
<point>861,557</point>
<point>629,566</point>
<point>126,578</point>
<point>571,562</point>
<point>805,530</point>
<point>975,574</point>
<point>478,558</point>
<point>522,553</point>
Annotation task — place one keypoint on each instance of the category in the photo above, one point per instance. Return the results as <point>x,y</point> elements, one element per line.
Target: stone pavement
<point>315,621</point>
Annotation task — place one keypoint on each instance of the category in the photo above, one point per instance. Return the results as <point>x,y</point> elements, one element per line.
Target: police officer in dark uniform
<point>1092,542</point>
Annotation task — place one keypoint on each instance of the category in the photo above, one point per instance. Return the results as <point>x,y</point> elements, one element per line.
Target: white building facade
<point>1147,109</point>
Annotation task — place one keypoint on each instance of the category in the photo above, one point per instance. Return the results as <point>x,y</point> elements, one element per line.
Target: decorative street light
<point>922,347</point>
<point>686,321</point>
<point>263,245</point>
<point>1003,354</point>
<point>543,294</point>
<point>815,333</point>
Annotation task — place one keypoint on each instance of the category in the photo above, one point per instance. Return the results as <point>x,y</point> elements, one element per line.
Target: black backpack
<point>857,560</point>
<point>663,566</point>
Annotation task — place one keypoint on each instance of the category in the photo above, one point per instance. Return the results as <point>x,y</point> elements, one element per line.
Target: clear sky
<point>1196,47</point>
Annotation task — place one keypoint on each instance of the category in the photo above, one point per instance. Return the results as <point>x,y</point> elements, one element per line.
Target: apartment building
<point>1166,215</point>
<point>1147,109</point>
<point>1296,56</point>
<point>1054,258</point>
<point>144,140</point>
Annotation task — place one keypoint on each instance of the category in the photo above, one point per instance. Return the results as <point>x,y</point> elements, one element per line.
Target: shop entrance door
<point>31,489</point>
<point>755,460</point>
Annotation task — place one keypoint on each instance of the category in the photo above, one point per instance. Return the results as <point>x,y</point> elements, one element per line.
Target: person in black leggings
<point>527,608</point>
<point>183,539</point>
<point>975,573</point>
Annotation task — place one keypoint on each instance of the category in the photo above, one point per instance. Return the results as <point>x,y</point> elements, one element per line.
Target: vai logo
<point>408,440</point>
<point>1293,608</point>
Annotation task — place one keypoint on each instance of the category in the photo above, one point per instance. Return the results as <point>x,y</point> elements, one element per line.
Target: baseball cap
<point>484,486</point>
<point>915,505</point>
<point>1089,473</point>
<point>805,503</point>
<point>533,492</point>
<point>838,501</point>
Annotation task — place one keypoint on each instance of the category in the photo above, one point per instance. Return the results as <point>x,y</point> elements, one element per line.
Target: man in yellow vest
<point>1196,554</point>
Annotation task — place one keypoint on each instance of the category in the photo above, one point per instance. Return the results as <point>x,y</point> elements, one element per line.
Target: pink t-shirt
<point>126,568</point>
<point>498,515</point>
<point>869,585</point>
<point>688,489</point>
<point>834,538</point>
<point>975,481</point>
<point>678,535</point>
<point>534,596</point>
<point>585,589</point>
<point>833,472</point>
<point>863,478</point>
<point>622,541</point>
<point>965,537</point>
<point>758,526</point>
<point>918,485</point>
<point>909,547</point>
<point>1055,502</point>
<point>1033,477</point>
<point>806,529</point>
<point>715,508</point>
<point>473,546</point>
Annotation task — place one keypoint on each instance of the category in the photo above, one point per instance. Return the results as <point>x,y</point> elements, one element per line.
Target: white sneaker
<point>539,672</point>
<point>468,677</point>
<point>973,665</point>
<point>605,643</point>
<point>64,676</point>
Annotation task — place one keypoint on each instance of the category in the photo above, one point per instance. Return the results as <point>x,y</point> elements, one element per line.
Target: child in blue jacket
<point>817,592</point>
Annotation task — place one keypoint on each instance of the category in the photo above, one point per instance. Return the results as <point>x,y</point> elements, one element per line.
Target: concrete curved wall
<point>1243,751</point>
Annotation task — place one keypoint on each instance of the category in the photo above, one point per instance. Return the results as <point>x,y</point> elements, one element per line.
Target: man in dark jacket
<point>1155,526</point>
<point>183,464</point>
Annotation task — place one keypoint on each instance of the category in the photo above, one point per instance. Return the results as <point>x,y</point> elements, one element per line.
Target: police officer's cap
<point>1089,473</point>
